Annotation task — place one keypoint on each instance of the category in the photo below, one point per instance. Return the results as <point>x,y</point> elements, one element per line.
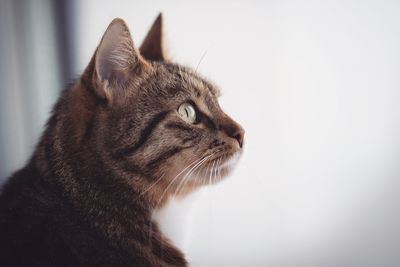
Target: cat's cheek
<point>231,162</point>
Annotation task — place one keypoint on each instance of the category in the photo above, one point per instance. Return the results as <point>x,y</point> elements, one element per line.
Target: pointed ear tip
<point>159,17</point>
<point>118,21</point>
<point>117,26</point>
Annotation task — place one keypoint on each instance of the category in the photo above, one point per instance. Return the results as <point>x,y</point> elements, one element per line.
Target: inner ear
<point>117,61</point>
<point>115,55</point>
<point>152,46</point>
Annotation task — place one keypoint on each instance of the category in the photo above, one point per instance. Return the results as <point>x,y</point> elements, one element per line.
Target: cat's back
<point>38,227</point>
<point>30,219</point>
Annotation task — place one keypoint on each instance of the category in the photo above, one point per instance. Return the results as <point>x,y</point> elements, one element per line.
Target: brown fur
<point>115,149</point>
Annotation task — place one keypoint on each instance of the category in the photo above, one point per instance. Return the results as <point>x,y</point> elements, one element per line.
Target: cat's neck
<point>109,207</point>
<point>174,217</point>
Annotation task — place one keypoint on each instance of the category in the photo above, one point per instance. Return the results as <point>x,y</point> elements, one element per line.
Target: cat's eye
<point>187,112</point>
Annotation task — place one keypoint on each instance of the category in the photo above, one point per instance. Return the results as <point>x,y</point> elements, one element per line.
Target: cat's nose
<point>234,130</point>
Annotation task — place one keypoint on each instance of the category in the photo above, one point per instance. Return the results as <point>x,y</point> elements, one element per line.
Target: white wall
<point>316,85</point>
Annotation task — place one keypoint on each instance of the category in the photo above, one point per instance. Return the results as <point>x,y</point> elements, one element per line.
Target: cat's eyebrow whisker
<point>181,74</point>
<point>201,59</point>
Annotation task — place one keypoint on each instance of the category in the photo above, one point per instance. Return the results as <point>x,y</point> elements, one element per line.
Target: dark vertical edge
<point>63,12</point>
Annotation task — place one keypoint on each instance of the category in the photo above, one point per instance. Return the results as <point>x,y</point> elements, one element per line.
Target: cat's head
<point>158,125</point>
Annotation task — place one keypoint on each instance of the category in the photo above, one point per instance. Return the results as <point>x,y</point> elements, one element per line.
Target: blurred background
<point>315,84</point>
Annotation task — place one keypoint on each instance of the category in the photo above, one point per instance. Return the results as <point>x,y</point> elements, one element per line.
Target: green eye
<point>187,112</point>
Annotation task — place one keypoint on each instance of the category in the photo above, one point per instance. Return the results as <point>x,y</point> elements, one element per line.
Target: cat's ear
<point>152,47</point>
<point>116,59</point>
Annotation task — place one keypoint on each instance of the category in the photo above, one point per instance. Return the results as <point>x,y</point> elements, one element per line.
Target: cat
<point>134,131</point>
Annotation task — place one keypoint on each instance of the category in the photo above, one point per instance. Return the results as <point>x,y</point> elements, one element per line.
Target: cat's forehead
<point>191,81</point>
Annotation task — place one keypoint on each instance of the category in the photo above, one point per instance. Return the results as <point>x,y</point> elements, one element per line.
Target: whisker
<point>214,173</point>
<point>174,179</point>
<point>219,168</point>
<point>197,168</point>
<point>193,166</point>
<point>201,59</point>
<point>151,186</point>
<point>166,189</point>
<point>181,74</point>
<point>197,162</point>
<point>191,171</point>
<point>209,173</point>
<point>212,169</point>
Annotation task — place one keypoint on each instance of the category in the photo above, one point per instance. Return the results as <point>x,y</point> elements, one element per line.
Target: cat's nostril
<point>237,132</point>
<point>239,135</point>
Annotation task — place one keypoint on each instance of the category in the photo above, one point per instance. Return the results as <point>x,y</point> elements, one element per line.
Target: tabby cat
<point>133,132</point>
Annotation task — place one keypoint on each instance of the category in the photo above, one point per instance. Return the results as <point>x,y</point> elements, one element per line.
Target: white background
<point>316,86</point>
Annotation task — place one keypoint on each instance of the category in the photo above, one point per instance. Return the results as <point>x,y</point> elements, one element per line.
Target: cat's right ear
<point>152,47</point>
<point>116,61</point>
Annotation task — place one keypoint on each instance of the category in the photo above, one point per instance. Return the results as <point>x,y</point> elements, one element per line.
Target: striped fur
<point>114,150</point>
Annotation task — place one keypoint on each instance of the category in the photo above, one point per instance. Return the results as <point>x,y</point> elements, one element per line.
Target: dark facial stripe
<point>164,156</point>
<point>208,121</point>
<point>143,136</point>
<point>179,126</point>
<point>202,117</point>
<point>184,131</point>
<point>191,138</point>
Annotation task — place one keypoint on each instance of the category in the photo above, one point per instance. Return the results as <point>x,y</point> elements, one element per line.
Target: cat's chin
<point>212,173</point>
<point>231,162</point>
<point>219,170</point>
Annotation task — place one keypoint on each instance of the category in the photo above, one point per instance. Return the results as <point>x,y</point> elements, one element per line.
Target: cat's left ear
<point>152,47</point>
<point>117,60</point>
